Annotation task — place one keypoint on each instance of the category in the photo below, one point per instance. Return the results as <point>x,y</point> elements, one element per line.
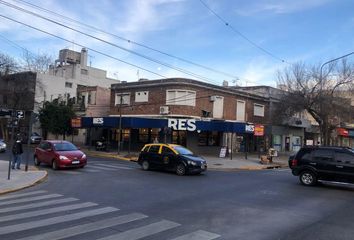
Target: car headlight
<point>83,156</point>
<point>63,158</point>
<point>192,163</point>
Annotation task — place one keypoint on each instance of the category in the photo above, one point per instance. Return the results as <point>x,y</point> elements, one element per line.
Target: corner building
<point>198,115</point>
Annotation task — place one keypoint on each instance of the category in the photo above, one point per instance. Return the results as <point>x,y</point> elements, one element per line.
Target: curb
<point>28,185</point>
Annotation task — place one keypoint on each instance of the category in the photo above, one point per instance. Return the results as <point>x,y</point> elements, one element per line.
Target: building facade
<point>201,116</point>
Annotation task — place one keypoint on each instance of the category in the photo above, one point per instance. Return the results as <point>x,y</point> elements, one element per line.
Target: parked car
<point>323,163</point>
<point>59,154</point>
<point>35,138</point>
<point>2,146</point>
<point>172,158</point>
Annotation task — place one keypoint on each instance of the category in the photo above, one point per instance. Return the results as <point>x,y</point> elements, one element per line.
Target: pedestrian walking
<point>17,151</point>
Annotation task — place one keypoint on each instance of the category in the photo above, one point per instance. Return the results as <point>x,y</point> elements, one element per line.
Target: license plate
<point>203,166</point>
<point>75,162</point>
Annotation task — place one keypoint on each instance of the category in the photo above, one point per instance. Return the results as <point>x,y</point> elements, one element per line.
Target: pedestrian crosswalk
<point>32,215</point>
<point>99,167</point>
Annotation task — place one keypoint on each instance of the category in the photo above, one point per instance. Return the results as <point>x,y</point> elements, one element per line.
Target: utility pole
<point>120,121</point>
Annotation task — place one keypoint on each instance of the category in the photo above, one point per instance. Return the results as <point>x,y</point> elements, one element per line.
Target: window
<point>258,110</point>
<point>91,97</point>
<point>322,155</point>
<point>68,84</point>
<point>125,98</point>
<point>209,138</point>
<point>154,149</point>
<point>142,96</point>
<point>218,107</point>
<point>143,135</point>
<point>240,110</point>
<point>344,157</point>
<point>166,150</point>
<point>180,97</point>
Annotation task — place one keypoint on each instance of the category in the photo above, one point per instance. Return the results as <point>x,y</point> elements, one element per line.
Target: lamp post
<point>321,77</point>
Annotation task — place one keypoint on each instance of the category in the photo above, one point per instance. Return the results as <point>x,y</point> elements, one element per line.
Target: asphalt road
<point>267,204</point>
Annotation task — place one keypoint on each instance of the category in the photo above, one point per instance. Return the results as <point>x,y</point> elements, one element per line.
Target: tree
<point>55,118</point>
<point>323,92</point>
<point>37,63</point>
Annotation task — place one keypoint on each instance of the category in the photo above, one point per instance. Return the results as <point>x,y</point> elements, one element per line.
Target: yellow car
<point>171,157</point>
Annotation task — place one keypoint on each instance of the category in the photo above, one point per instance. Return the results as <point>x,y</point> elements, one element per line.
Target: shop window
<point>180,97</point>
<point>209,138</point>
<point>179,137</point>
<point>125,135</point>
<point>258,110</point>
<point>143,135</point>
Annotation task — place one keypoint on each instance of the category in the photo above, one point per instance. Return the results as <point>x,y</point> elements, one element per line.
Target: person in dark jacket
<point>17,151</point>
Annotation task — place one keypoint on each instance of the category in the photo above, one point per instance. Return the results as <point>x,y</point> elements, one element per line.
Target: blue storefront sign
<point>177,124</point>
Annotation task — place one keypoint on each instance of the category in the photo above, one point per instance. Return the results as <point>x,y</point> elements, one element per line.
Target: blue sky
<point>310,31</point>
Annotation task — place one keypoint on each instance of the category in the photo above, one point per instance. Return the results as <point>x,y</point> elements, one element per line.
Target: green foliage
<point>55,118</point>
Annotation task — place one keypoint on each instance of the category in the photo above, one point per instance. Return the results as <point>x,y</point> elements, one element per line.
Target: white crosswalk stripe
<point>55,220</point>
<point>144,231</point>
<point>46,211</point>
<point>21,195</point>
<point>85,228</point>
<point>103,168</point>
<point>114,166</point>
<point>35,205</point>
<point>198,235</point>
<point>66,216</point>
<point>30,199</point>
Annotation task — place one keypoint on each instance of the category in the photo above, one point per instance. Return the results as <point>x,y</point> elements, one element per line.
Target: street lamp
<point>321,76</point>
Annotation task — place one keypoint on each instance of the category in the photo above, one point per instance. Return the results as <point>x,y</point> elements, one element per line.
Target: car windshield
<point>183,151</point>
<point>64,146</point>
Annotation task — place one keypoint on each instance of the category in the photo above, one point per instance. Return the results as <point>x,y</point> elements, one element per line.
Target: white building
<point>64,77</point>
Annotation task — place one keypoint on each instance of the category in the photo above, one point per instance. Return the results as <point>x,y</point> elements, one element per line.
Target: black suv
<point>323,163</point>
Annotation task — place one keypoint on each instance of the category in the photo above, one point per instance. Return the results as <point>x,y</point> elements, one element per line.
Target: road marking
<point>55,220</point>
<point>114,166</point>
<point>21,194</point>
<point>103,168</point>
<point>88,227</point>
<point>198,235</point>
<point>35,205</point>
<point>90,170</point>
<point>144,231</point>
<point>36,213</point>
<point>30,199</point>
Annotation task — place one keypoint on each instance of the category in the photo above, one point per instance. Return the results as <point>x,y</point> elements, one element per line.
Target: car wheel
<point>308,178</point>
<point>145,165</point>
<point>180,169</point>
<point>54,165</point>
<point>36,161</point>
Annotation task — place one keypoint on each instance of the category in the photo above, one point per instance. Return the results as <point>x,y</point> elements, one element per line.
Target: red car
<point>59,154</point>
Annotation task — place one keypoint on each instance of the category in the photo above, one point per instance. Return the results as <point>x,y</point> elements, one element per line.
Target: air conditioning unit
<point>212,98</point>
<point>164,110</point>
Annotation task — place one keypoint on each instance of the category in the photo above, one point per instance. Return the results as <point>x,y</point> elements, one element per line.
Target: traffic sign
<point>20,114</point>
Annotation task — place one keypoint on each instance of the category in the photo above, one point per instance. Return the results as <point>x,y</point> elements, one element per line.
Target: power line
<point>91,49</point>
<point>110,43</point>
<point>128,40</point>
<point>242,35</point>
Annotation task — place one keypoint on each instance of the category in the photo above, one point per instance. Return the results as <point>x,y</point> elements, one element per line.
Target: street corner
<point>22,180</point>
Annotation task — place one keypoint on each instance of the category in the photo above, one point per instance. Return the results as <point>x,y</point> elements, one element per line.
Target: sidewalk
<point>20,179</point>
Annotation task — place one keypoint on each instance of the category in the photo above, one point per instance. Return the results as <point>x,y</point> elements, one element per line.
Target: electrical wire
<point>91,49</point>
<point>242,35</point>
<point>127,40</point>
<point>112,44</point>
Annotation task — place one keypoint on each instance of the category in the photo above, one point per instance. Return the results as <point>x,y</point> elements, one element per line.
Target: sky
<point>244,42</point>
